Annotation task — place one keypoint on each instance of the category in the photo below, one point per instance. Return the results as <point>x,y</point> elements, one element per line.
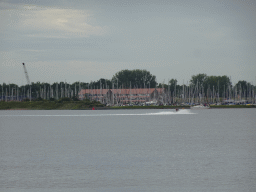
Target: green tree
<point>210,83</point>
<point>101,83</point>
<point>173,84</point>
<point>244,87</point>
<point>219,83</point>
<point>137,78</point>
<point>198,79</point>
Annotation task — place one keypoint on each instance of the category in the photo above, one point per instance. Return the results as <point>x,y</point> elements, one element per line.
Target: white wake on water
<point>181,111</point>
<point>171,112</point>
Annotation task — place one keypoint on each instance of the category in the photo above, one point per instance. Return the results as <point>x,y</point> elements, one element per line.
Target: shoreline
<point>87,105</point>
<point>132,107</point>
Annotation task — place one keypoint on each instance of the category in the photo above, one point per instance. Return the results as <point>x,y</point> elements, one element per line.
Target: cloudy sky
<point>85,40</point>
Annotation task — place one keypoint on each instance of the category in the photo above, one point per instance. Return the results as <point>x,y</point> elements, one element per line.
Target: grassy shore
<point>87,105</point>
<point>48,105</point>
<point>72,105</point>
<point>231,106</point>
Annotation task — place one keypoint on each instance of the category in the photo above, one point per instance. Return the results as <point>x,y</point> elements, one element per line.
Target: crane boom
<point>26,73</point>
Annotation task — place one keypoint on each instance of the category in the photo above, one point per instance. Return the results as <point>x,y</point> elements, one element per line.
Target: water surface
<point>128,150</point>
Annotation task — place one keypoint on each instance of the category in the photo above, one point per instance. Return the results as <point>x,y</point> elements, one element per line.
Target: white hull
<point>200,107</point>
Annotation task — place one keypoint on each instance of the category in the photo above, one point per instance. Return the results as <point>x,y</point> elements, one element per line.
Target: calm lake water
<point>128,150</point>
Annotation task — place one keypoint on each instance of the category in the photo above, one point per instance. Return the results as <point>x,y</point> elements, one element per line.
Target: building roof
<point>120,91</point>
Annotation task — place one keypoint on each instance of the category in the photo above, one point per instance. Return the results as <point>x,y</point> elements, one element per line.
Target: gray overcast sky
<point>85,40</point>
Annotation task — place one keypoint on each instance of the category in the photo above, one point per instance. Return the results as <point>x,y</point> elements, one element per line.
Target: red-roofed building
<point>122,96</point>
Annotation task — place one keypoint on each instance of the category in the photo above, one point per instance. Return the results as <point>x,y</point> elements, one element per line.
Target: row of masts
<point>16,93</point>
<point>187,95</point>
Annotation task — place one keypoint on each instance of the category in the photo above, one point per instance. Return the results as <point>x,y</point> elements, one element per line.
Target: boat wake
<point>180,112</point>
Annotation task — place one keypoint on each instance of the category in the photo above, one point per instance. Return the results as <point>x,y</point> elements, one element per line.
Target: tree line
<point>126,79</point>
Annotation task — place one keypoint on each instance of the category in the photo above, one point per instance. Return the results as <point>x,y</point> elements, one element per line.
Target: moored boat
<point>200,107</point>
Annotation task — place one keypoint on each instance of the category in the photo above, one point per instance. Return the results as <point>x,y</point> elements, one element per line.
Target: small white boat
<point>200,107</point>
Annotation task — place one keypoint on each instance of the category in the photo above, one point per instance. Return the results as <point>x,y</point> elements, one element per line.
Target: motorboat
<point>200,107</point>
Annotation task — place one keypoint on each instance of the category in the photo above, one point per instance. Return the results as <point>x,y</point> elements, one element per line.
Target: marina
<point>188,96</point>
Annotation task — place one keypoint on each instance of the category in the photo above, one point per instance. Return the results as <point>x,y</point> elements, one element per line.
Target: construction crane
<point>26,73</point>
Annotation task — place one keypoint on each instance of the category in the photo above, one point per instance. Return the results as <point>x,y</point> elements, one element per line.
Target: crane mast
<point>26,73</point>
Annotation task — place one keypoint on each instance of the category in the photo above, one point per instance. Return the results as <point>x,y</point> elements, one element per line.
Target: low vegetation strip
<point>232,106</point>
<point>72,105</point>
<point>88,105</point>
<point>47,105</point>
